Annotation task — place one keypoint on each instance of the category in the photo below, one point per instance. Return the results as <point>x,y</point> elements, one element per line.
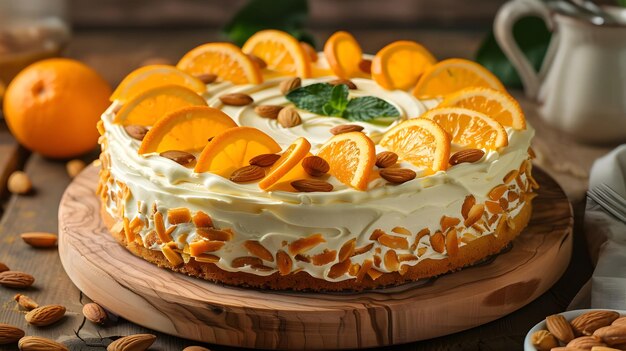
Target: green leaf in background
<point>621,3</point>
<point>311,97</point>
<point>256,15</point>
<point>533,38</point>
<point>367,108</point>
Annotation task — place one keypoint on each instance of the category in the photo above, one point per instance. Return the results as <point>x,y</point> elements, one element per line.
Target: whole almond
<point>195,348</point>
<point>19,183</point>
<point>619,321</point>
<point>347,82</point>
<point>612,335</point>
<point>585,342</point>
<point>136,132</point>
<point>315,166</point>
<point>4,267</point>
<point>15,279</point>
<point>467,155</point>
<point>257,60</point>
<point>264,160</point>
<point>45,315</point>
<point>25,301</point>
<point>311,185</point>
<point>268,111</point>
<point>39,239</point>
<point>74,167</point>
<point>386,159</point>
<point>606,348</point>
<point>345,128</point>
<point>181,157</point>
<point>290,84</point>
<point>36,343</point>
<point>543,340</point>
<point>247,174</point>
<point>206,78</point>
<point>9,334</point>
<point>95,313</point>
<point>289,117</point>
<point>588,322</point>
<point>137,342</point>
<point>236,99</point>
<point>397,175</point>
<point>560,328</point>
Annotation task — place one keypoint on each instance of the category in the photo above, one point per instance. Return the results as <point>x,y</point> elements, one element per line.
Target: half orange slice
<point>469,128</point>
<point>421,142</point>
<point>147,107</point>
<point>344,55</point>
<point>187,129</point>
<point>225,60</point>
<point>233,149</point>
<point>291,158</point>
<point>400,64</point>
<point>283,53</point>
<point>351,157</point>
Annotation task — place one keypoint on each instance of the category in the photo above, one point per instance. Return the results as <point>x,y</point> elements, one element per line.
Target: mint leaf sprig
<point>328,100</point>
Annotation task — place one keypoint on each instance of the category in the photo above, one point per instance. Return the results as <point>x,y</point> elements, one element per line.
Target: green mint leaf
<point>338,101</point>
<point>367,108</point>
<point>312,97</point>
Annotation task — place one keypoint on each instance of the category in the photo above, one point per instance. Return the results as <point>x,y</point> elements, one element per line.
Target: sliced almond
<point>178,215</point>
<point>25,302</point>
<point>509,177</point>
<point>394,242</point>
<point>437,242</point>
<point>246,261</point>
<point>201,219</point>
<point>39,239</point>
<point>474,214</point>
<point>339,269</point>
<point>391,261</point>
<point>447,222</point>
<point>493,207</point>
<point>496,193</point>
<point>452,243</point>
<point>363,249</point>
<point>468,203</point>
<point>255,248</point>
<point>323,258</point>
<point>264,160</point>
<point>401,230</point>
<point>236,99</point>
<point>315,166</point>
<point>346,128</point>
<point>367,265</point>
<point>283,262</point>
<point>247,174</point>
<point>215,234</point>
<point>347,249</point>
<point>303,245</point>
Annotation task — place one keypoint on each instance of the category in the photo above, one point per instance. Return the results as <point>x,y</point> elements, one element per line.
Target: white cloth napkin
<point>606,235</point>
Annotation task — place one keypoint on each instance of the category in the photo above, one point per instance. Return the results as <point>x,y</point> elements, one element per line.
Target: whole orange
<point>52,107</point>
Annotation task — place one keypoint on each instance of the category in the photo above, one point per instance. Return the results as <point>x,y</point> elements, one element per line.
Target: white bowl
<point>569,315</point>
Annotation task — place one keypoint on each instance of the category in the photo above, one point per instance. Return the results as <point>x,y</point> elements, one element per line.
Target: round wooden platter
<point>195,309</point>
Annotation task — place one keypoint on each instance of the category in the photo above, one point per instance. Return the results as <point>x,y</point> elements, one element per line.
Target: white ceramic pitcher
<point>581,87</point>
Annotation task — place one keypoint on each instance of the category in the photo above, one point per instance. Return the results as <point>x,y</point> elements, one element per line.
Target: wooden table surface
<point>114,54</point>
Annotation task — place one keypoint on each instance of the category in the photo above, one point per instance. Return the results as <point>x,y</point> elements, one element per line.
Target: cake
<point>276,167</point>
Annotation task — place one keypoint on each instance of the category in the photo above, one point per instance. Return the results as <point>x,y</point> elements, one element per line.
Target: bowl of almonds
<point>579,330</point>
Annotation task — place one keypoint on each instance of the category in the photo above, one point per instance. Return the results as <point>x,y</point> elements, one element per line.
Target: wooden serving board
<point>195,309</point>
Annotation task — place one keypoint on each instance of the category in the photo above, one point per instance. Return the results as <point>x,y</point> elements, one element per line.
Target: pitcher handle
<point>506,18</point>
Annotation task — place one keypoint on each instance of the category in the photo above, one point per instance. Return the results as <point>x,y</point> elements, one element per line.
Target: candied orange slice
<point>187,129</point>
<point>233,149</point>
<point>351,157</point>
<point>283,53</point>
<point>152,76</point>
<point>452,75</point>
<point>421,142</point>
<point>225,60</point>
<point>469,128</point>
<point>344,54</point>
<point>287,161</point>
<point>400,64</point>
<point>494,103</point>
<point>147,107</point>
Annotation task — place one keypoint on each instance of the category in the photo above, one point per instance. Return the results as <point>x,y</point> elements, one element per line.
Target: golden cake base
<point>197,309</point>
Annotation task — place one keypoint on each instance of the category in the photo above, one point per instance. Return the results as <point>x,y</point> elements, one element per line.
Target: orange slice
<point>469,128</point>
<point>152,76</point>
<point>187,129</point>
<point>287,161</point>
<point>225,60</point>
<point>351,157</point>
<point>233,149</point>
<point>421,142</point>
<point>146,108</point>
<point>344,54</point>
<point>400,64</point>
<point>452,75</point>
<point>494,103</point>
<point>283,53</point>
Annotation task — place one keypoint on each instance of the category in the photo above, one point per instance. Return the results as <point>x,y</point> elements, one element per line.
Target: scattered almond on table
<point>595,331</point>
<point>39,239</point>
<point>136,342</point>
<point>36,343</point>
<point>16,280</point>
<point>95,313</point>
<point>195,348</point>
<point>10,334</point>
<point>45,315</point>
<point>19,183</point>
<point>25,302</point>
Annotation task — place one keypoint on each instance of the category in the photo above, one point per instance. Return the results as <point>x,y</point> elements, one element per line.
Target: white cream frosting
<point>275,217</point>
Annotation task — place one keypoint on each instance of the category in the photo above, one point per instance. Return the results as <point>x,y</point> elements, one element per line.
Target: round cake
<point>320,174</point>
